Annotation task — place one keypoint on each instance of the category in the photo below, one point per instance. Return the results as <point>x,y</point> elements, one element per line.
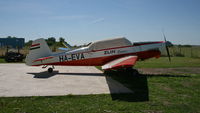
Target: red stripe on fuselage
<point>147,43</point>
<point>35,45</point>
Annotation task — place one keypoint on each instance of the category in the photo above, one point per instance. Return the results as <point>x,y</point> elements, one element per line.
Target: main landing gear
<point>50,70</point>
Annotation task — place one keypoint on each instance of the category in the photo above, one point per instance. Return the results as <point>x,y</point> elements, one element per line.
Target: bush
<point>179,54</point>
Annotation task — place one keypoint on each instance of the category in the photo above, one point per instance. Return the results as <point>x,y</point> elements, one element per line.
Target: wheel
<point>50,70</point>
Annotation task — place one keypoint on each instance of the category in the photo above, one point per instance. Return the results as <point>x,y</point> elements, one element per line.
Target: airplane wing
<point>124,62</point>
<point>44,58</point>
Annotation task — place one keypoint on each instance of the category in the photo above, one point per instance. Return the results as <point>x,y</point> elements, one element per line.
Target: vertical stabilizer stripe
<point>35,45</point>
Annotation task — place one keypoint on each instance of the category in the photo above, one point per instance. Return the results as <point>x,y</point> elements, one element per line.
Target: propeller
<point>167,49</point>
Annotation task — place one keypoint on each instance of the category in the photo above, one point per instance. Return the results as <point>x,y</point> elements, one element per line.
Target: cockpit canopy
<point>109,43</point>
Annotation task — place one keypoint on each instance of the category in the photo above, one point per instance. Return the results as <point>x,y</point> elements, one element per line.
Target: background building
<point>12,42</point>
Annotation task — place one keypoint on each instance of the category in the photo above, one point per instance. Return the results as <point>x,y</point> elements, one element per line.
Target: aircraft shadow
<point>46,74</point>
<point>137,83</point>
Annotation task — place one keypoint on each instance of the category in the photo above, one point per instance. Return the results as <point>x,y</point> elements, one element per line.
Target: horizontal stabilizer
<point>63,49</point>
<point>124,62</point>
<point>67,45</point>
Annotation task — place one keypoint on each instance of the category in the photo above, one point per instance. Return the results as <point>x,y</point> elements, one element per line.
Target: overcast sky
<point>83,21</point>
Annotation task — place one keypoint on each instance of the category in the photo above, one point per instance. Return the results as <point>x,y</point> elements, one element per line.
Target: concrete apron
<point>17,79</point>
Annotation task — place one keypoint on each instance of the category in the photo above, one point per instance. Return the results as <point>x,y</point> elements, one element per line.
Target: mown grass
<point>163,62</point>
<point>152,94</point>
<point>2,60</point>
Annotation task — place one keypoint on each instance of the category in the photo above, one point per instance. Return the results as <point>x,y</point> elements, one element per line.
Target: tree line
<point>51,41</point>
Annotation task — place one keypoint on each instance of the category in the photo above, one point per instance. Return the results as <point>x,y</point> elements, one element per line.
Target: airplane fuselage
<point>86,57</point>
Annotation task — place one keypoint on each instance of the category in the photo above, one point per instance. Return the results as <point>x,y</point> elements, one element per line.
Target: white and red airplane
<point>111,54</point>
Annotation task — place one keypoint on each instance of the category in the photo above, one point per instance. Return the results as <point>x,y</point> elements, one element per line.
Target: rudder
<point>38,49</point>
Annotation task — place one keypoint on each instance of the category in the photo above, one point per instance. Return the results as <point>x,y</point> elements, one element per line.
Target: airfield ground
<point>175,90</point>
<point>21,80</point>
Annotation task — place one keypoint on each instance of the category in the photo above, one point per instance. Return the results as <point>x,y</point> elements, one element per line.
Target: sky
<point>84,21</point>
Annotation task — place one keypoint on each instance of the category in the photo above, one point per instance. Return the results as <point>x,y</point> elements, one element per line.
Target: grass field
<point>2,60</point>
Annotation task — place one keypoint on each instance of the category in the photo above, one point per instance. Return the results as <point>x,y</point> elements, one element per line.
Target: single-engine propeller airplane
<point>111,54</point>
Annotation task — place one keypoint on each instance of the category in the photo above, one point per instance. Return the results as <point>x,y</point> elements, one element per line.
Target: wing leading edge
<point>124,62</point>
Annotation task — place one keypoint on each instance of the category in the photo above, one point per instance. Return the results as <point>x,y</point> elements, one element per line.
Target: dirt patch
<point>185,70</point>
<point>167,89</point>
<point>166,103</point>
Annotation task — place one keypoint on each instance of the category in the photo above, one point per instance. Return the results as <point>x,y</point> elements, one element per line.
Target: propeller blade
<point>168,53</point>
<point>167,49</point>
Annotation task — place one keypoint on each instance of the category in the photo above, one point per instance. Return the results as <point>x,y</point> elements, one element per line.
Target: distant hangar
<point>12,42</point>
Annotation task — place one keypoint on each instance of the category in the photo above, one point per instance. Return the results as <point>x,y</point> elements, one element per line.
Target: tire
<point>50,70</point>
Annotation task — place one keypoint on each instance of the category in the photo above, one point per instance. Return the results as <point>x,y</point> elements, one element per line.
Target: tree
<point>9,36</point>
<point>51,41</point>
<point>28,43</point>
<point>61,39</point>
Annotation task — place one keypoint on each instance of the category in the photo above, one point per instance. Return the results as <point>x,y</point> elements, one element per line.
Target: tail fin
<point>38,49</point>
